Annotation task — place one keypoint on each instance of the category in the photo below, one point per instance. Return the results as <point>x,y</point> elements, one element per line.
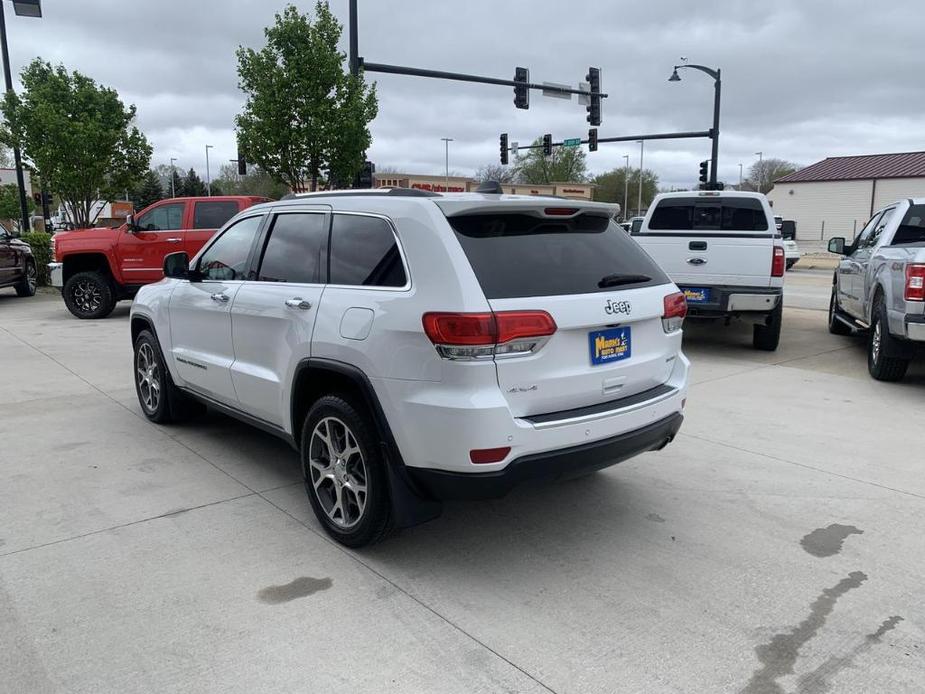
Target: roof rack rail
<point>393,192</point>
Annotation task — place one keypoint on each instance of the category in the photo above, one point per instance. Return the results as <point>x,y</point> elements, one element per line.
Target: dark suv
<point>17,265</point>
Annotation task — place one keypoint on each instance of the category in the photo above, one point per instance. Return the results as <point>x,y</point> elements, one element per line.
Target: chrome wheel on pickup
<point>89,295</point>
<point>885,360</point>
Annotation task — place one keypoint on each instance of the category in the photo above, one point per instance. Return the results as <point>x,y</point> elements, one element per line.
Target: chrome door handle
<point>174,239</point>
<point>299,302</point>
<point>219,297</point>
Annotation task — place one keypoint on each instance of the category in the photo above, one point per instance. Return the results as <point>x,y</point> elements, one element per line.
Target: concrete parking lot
<point>775,546</point>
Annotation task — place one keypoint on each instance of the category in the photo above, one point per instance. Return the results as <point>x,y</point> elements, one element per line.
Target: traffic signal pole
<point>627,138</point>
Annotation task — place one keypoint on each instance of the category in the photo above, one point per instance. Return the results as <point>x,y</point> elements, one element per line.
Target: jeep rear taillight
<point>487,335</point>
<point>675,308</point>
<point>778,262</point>
<point>915,283</point>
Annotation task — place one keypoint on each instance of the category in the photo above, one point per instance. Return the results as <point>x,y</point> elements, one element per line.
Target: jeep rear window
<point>519,255</point>
<point>709,214</point>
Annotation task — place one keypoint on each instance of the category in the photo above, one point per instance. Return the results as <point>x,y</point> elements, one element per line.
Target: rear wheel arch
<point>140,323</point>
<point>315,378</point>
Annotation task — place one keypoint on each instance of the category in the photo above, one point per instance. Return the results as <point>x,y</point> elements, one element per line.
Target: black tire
<point>171,404</point>
<point>881,346</point>
<point>89,295</point>
<point>766,336</point>
<point>26,286</point>
<point>330,483</point>
<point>836,327</point>
<point>791,263</point>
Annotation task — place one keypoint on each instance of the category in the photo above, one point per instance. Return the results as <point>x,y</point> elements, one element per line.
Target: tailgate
<point>712,259</point>
<point>605,295</point>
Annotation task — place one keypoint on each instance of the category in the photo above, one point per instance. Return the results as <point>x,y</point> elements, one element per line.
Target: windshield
<point>709,214</point>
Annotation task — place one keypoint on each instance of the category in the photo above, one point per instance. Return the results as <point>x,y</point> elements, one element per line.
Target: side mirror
<point>176,265</point>
<point>130,223</point>
<point>837,245</point>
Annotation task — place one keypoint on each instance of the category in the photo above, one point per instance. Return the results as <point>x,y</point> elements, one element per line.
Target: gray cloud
<point>801,80</point>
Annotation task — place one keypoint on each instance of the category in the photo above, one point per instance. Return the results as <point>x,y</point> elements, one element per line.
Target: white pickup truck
<point>879,287</point>
<point>724,252</point>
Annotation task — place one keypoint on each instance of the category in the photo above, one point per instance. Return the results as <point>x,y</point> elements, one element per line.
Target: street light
<point>626,184</point>
<point>22,8</point>
<point>173,174</point>
<point>208,176</point>
<point>714,131</point>
<point>446,182</point>
<point>642,147</point>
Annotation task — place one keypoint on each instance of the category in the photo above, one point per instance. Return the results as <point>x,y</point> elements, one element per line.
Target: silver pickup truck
<point>879,287</point>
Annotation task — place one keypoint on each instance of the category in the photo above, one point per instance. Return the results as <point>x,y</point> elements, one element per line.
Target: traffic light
<point>364,178</point>
<point>547,144</point>
<point>704,171</point>
<point>522,91</point>
<point>592,140</point>
<point>242,164</point>
<point>504,149</point>
<point>593,78</point>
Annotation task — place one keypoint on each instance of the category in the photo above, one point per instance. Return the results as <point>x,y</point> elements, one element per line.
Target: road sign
<point>572,142</point>
<point>515,146</point>
<point>557,94</point>
<point>584,99</point>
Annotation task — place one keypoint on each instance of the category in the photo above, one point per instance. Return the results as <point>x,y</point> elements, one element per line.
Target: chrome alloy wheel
<point>337,472</point>
<point>875,340</point>
<point>149,377</point>
<point>31,276</point>
<point>87,296</point>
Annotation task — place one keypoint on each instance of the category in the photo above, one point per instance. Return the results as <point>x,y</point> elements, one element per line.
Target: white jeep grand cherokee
<point>416,347</point>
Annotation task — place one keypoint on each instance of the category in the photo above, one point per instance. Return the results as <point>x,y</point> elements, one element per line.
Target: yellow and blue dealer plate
<point>612,344</point>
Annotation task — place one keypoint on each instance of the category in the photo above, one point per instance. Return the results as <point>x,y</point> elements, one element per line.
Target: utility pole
<point>446,183</point>
<point>208,177</point>
<point>626,184</point>
<point>25,10</point>
<point>740,176</point>
<point>760,171</point>
<point>642,146</point>
<point>173,173</point>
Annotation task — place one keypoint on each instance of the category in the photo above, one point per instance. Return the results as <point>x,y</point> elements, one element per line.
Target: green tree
<point>565,164</point>
<point>303,115</point>
<point>762,174</point>
<point>191,185</point>
<point>9,206</point>
<point>150,191</point>
<point>177,189</point>
<point>77,136</point>
<point>612,184</point>
<point>255,182</point>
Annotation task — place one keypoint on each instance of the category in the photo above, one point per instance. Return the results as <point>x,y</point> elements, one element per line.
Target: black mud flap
<point>409,507</point>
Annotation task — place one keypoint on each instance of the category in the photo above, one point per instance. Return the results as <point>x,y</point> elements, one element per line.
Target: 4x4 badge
<point>612,307</point>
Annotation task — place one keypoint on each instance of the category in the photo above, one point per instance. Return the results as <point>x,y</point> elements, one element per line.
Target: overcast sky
<point>801,80</point>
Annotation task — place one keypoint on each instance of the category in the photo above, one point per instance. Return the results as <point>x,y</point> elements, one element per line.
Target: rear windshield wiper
<point>617,280</point>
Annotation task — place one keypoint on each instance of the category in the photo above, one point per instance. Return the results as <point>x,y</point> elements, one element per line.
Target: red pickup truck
<point>95,268</point>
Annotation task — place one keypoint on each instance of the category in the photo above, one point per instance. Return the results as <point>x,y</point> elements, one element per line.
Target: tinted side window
<point>861,239</point>
<point>912,228</point>
<point>709,214</point>
<point>212,214</point>
<point>364,252</point>
<point>226,258</point>
<point>519,255</point>
<point>877,232</point>
<point>296,249</point>
<point>163,218</point>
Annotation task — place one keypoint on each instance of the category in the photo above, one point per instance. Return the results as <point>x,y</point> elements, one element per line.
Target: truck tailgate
<point>712,259</point>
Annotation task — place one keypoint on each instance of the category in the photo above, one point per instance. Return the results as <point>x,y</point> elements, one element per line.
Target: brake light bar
<point>560,211</point>
<point>489,334</point>
<point>915,283</point>
<point>778,262</point>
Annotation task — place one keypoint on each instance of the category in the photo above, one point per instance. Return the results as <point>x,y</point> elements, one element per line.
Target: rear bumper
<point>56,272</point>
<point>915,328</point>
<point>729,299</point>
<point>549,466</point>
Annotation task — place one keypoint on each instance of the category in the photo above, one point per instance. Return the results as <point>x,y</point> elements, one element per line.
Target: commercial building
<point>461,184</point>
<point>836,196</point>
